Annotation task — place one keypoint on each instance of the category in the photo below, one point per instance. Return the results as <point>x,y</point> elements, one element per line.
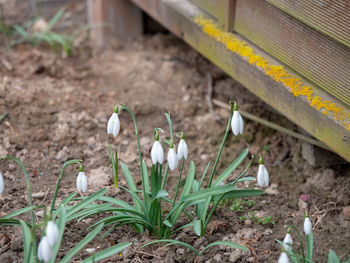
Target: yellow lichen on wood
<point>276,72</point>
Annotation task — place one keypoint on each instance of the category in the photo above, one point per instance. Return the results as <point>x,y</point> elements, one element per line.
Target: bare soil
<point>58,110</point>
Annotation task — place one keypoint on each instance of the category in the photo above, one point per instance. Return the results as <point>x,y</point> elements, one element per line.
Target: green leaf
<point>195,186</point>
<point>131,184</point>
<point>186,190</point>
<point>167,115</point>
<point>145,184</point>
<point>225,243</point>
<point>27,244</point>
<point>82,244</point>
<point>332,257</point>
<point>95,209</point>
<point>86,201</point>
<point>232,167</point>
<point>61,223</point>
<point>239,193</point>
<point>54,20</point>
<point>310,246</point>
<point>23,210</point>
<point>107,252</point>
<point>63,203</point>
<point>205,193</point>
<point>116,201</point>
<point>167,223</point>
<point>248,178</point>
<point>9,222</point>
<point>197,227</point>
<point>204,174</point>
<point>171,242</point>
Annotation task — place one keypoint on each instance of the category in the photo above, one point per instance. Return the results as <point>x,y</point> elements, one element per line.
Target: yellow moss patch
<point>277,72</point>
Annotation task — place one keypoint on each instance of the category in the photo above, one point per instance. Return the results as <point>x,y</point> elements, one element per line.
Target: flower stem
<point>75,161</point>
<point>20,164</point>
<point>222,145</point>
<point>138,146</point>
<point>165,176</point>
<point>178,181</point>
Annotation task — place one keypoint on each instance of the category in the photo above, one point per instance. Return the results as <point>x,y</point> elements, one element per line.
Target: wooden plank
<point>114,20</point>
<point>321,59</point>
<point>330,17</point>
<point>257,71</point>
<point>222,10</point>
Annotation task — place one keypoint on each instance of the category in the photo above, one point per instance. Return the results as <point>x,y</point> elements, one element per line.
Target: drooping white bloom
<point>45,251</point>
<point>2,184</point>
<point>90,250</point>
<point>172,159</point>
<point>237,124</point>
<point>263,175</point>
<point>81,182</point>
<point>157,153</point>
<point>283,258</point>
<point>307,225</point>
<point>288,242</point>
<point>182,149</point>
<point>113,125</point>
<point>52,233</point>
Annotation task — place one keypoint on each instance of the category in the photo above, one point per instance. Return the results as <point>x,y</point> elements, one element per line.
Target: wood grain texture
<point>179,17</point>
<point>319,58</point>
<point>330,17</point>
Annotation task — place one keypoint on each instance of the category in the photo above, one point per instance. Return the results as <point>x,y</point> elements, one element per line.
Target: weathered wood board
<point>314,55</point>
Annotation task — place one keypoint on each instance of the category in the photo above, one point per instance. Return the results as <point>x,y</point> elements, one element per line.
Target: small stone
<point>235,255</point>
<point>250,259</point>
<point>180,251</point>
<point>62,155</point>
<point>186,97</point>
<point>268,232</point>
<point>346,213</point>
<point>248,222</point>
<point>217,258</point>
<point>302,204</point>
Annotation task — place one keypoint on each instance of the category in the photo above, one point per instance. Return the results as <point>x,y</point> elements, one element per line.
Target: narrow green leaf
<point>172,242</point>
<point>195,186</point>
<point>54,20</point>
<point>91,210</point>
<point>86,201</point>
<point>27,237</point>
<point>108,252</point>
<point>82,244</point>
<point>9,222</point>
<point>332,257</point>
<point>310,246</point>
<point>115,201</point>
<point>61,223</point>
<point>197,227</point>
<point>131,184</point>
<point>204,174</point>
<point>23,210</point>
<point>167,223</point>
<point>232,167</point>
<point>248,178</point>
<point>225,243</point>
<point>239,193</point>
<point>63,203</point>
<point>145,184</point>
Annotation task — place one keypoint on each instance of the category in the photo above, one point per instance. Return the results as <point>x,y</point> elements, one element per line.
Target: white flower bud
<point>45,251</point>
<point>113,125</point>
<point>52,233</point>
<point>157,153</point>
<point>283,258</point>
<point>172,159</point>
<point>263,176</point>
<point>288,242</point>
<point>81,182</point>
<point>182,149</point>
<point>2,184</point>
<point>307,226</point>
<point>237,124</point>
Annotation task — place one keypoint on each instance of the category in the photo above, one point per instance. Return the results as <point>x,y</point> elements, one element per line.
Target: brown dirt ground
<point>58,109</point>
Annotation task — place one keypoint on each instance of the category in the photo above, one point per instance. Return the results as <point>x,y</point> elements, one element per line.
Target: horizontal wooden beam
<point>323,116</point>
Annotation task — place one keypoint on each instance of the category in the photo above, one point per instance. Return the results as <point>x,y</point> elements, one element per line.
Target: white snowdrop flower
<point>90,250</point>
<point>287,241</point>
<point>2,184</point>
<point>307,225</point>
<point>182,149</point>
<point>52,233</point>
<point>113,125</point>
<point>157,153</point>
<point>81,181</point>
<point>172,158</point>
<point>263,175</point>
<point>237,124</point>
<point>283,258</point>
<point>45,251</point>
